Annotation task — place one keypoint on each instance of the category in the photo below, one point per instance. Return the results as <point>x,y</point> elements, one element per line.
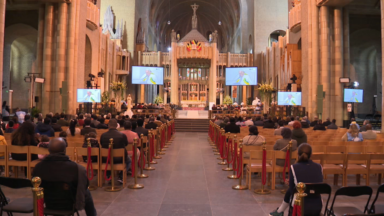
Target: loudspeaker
<point>319,98</point>
<point>36,99</point>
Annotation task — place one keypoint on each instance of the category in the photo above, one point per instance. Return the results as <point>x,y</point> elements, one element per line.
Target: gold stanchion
<point>157,156</point>
<point>161,151</point>
<point>224,149</point>
<point>229,153</point>
<point>234,176</point>
<point>142,158</point>
<point>149,162</point>
<point>37,194</point>
<point>290,156</point>
<point>151,135</point>
<point>165,126</point>
<point>220,133</point>
<point>262,191</point>
<point>299,201</point>
<point>90,187</point>
<point>240,166</point>
<point>135,185</point>
<point>112,188</point>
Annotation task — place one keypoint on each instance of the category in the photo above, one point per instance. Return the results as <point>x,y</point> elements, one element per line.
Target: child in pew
<point>94,144</point>
<point>44,143</point>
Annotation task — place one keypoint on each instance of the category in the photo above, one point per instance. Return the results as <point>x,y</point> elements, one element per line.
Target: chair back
<point>38,150</point>
<point>59,195</point>
<point>353,191</point>
<point>70,152</point>
<point>318,149</point>
<point>17,149</point>
<point>80,152</point>
<point>335,149</point>
<point>377,159</point>
<point>379,190</point>
<point>373,149</point>
<point>14,183</point>
<point>355,149</point>
<point>358,159</point>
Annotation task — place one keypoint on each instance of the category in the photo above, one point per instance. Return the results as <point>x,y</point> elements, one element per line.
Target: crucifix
<point>194,8</point>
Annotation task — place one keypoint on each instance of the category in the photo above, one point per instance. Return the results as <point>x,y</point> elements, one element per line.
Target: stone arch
<point>365,53</point>
<point>274,36</point>
<point>20,44</point>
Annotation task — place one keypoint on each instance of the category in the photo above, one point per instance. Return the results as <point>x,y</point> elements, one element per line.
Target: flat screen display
<point>148,75</point>
<point>88,95</point>
<point>289,98</point>
<point>353,95</point>
<point>241,76</point>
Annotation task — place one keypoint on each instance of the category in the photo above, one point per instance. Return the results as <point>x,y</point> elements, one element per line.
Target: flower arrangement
<point>158,100</point>
<point>118,86</point>
<point>227,100</point>
<point>266,91</point>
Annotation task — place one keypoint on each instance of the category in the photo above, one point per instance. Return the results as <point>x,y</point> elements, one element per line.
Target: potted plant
<point>227,100</point>
<point>158,100</point>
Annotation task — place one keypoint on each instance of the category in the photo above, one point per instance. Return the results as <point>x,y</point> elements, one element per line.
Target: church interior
<point>215,104</point>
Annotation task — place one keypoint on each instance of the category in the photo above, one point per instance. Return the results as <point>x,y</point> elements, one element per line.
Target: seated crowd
<point>57,166</point>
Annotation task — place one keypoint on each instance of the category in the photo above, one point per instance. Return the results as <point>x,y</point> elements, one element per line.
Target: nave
<point>188,181</point>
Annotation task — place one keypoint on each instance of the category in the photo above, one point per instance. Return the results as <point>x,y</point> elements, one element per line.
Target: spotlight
<point>100,74</point>
<point>169,48</point>
<point>219,23</point>
<point>355,84</point>
<point>91,76</point>
<point>169,22</point>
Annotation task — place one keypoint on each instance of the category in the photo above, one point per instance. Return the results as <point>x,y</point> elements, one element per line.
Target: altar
<point>193,104</point>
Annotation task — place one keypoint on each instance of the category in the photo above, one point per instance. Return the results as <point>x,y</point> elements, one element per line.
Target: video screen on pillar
<point>88,95</point>
<point>148,75</point>
<point>353,95</point>
<point>241,76</point>
<point>289,98</point>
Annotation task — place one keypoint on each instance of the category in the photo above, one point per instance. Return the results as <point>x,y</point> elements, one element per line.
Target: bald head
<point>57,145</point>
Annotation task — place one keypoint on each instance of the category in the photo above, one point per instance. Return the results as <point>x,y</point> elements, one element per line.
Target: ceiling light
<point>219,23</point>
<point>169,22</point>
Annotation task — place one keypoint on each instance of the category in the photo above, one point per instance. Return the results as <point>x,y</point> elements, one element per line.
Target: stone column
<point>174,74</point>
<point>346,66</point>
<point>212,75</point>
<point>60,55</point>
<point>40,54</point>
<point>47,59</point>
<point>339,63</point>
<point>382,59</point>
<point>315,58</point>
<point>245,95</point>
<point>325,60</point>
<point>2,31</point>
<point>71,109</point>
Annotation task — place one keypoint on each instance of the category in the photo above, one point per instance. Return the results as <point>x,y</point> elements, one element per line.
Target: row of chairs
<point>318,189</point>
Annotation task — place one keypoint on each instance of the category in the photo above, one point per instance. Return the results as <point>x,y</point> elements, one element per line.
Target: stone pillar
<point>2,31</point>
<point>346,66</point>
<point>382,59</point>
<point>325,60</point>
<point>60,55</point>
<point>40,54</point>
<point>212,74</point>
<point>47,59</point>
<point>339,63</point>
<point>71,109</point>
<point>245,95</point>
<point>315,58</point>
<point>174,75</point>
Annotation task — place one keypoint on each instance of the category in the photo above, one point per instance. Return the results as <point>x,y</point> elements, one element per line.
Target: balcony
<point>295,18</point>
<point>93,16</point>
<point>333,3</point>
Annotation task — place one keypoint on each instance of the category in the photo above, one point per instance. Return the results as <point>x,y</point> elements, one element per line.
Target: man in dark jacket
<point>120,141</point>
<point>327,122</point>
<point>56,127</point>
<point>56,167</point>
<point>333,125</point>
<point>45,129</point>
<point>87,127</point>
<point>232,127</point>
<point>259,121</point>
<point>319,126</point>
<point>151,124</point>
<point>62,122</point>
<point>102,125</point>
<point>140,130</point>
<point>315,122</point>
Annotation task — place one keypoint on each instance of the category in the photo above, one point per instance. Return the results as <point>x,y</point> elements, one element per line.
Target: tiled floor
<point>188,181</point>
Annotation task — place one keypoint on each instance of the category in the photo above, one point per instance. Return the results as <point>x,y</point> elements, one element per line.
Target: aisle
<point>187,181</point>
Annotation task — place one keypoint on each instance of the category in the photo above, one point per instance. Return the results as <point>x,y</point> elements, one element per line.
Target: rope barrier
<point>141,160</point>
<point>133,161</point>
<point>286,164</point>
<point>152,147</point>
<point>106,166</point>
<point>296,210</point>
<point>234,157</point>
<point>240,164</point>
<point>38,197</point>
<point>232,153</point>
<point>40,206</point>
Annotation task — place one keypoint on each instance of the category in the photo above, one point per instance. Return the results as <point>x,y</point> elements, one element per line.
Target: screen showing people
<point>353,95</point>
<point>289,98</point>
<point>88,95</point>
<point>241,76</point>
<point>148,75</point>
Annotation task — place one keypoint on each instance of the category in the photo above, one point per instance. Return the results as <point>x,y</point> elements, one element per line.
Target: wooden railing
<point>295,17</point>
<point>93,13</point>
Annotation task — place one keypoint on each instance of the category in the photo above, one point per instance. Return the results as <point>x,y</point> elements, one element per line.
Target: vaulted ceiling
<point>209,13</point>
